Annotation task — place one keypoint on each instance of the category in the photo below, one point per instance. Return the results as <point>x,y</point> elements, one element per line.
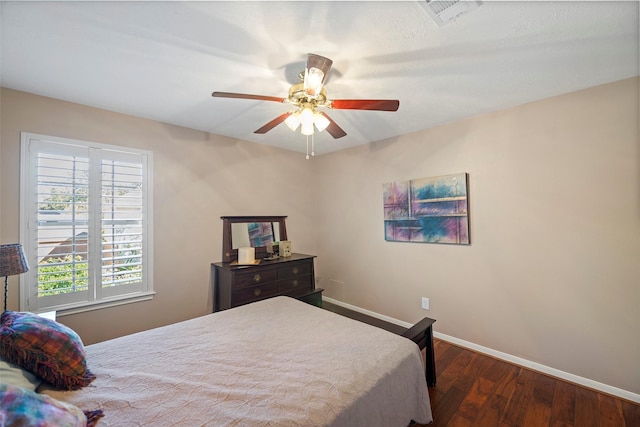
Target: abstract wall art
<point>260,233</point>
<point>427,210</point>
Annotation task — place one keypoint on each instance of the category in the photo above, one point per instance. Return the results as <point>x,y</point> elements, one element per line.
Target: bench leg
<point>430,358</point>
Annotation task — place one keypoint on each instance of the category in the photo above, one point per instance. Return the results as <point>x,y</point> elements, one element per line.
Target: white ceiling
<point>161,60</point>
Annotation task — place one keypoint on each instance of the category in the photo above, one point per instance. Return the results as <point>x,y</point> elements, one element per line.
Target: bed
<point>277,362</point>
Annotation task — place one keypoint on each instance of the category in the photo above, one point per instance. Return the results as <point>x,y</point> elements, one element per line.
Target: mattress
<point>277,362</point>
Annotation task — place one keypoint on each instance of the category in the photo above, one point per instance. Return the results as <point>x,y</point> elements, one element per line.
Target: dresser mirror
<point>254,231</point>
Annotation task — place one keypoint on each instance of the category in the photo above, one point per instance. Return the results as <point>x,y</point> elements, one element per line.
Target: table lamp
<point>12,261</point>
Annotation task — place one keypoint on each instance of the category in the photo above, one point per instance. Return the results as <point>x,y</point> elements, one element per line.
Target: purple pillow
<point>44,347</point>
<point>26,408</point>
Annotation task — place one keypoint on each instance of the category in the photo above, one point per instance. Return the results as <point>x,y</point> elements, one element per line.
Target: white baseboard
<point>367,312</point>
<point>585,382</point>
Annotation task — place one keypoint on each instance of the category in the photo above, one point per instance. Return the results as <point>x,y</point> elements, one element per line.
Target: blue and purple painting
<point>260,233</point>
<point>427,210</point>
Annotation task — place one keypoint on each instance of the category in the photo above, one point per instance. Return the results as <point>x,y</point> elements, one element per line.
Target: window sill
<point>98,305</point>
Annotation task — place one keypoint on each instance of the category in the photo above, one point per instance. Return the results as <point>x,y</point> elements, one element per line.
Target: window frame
<point>98,296</point>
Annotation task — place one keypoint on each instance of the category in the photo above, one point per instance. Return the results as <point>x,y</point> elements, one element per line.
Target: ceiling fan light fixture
<point>306,128</point>
<point>309,94</point>
<point>320,121</point>
<point>306,120</point>
<point>293,121</point>
<point>313,79</point>
<point>315,73</point>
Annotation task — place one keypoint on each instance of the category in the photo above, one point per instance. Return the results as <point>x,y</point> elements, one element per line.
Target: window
<point>86,224</point>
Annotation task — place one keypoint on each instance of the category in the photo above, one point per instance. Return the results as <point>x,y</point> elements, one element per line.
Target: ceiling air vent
<point>444,12</point>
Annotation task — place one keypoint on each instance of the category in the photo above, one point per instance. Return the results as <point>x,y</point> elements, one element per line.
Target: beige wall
<point>553,271</point>
<point>198,177</point>
<point>552,274</point>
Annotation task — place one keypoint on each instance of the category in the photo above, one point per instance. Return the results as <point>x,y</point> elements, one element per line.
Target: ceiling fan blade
<point>247,96</point>
<point>273,123</point>
<point>365,104</point>
<point>333,128</point>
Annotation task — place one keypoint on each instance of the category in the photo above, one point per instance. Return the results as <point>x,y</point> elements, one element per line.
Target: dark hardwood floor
<point>477,390</point>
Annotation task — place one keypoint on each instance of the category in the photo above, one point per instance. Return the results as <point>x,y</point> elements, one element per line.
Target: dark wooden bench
<point>421,333</point>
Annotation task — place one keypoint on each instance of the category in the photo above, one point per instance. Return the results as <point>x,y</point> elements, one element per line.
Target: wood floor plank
<point>456,369</point>
<point>499,370</point>
<point>453,374</point>
<point>445,354</point>
<point>479,365</point>
<point>476,390</point>
<point>459,421</point>
<point>491,411</point>
<point>610,411</point>
<point>448,406</point>
<point>516,405</point>
<point>563,408</point>
<point>475,398</point>
<point>631,412</point>
<point>537,415</point>
<point>506,384</point>
<point>538,412</point>
<point>587,413</point>
<point>544,389</point>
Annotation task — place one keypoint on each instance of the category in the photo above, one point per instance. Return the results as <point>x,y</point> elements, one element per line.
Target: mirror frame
<point>228,253</point>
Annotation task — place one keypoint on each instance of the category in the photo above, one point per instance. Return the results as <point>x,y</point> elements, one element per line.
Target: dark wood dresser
<point>235,285</point>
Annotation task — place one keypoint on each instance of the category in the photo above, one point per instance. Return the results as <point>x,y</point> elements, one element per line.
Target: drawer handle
<point>294,283</point>
<point>257,292</point>
<point>295,270</point>
<point>256,278</point>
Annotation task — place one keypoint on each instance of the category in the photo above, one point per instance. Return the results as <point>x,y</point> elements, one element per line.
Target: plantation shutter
<point>61,224</point>
<point>87,232</point>
<point>121,224</point>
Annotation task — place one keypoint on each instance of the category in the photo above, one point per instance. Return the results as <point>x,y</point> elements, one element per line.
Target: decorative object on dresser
<point>285,248</point>
<point>275,271</point>
<point>12,262</point>
<point>247,256</point>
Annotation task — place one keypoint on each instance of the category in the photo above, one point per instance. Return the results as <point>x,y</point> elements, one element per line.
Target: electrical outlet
<point>425,303</point>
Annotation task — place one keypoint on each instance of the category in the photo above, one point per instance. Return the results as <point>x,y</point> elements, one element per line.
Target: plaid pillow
<point>44,347</point>
<point>26,408</point>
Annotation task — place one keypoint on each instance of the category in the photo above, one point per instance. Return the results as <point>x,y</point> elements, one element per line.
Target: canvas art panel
<point>260,233</point>
<point>427,210</point>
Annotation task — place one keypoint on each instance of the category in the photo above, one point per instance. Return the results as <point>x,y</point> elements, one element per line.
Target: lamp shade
<point>293,121</point>
<point>12,260</point>
<point>306,120</point>
<point>315,73</point>
<point>320,121</point>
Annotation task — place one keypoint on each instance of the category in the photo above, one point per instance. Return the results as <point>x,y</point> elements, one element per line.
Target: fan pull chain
<point>313,139</point>
<point>307,147</point>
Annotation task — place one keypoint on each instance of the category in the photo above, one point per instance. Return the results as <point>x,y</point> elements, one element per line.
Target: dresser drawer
<point>254,278</point>
<point>295,283</point>
<point>293,270</point>
<point>236,285</point>
<point>246,295</point>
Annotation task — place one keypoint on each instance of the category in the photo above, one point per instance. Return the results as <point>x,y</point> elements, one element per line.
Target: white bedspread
<point>278,362</point>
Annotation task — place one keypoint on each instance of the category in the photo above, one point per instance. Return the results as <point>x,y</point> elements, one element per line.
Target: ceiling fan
<point>310,94</point>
